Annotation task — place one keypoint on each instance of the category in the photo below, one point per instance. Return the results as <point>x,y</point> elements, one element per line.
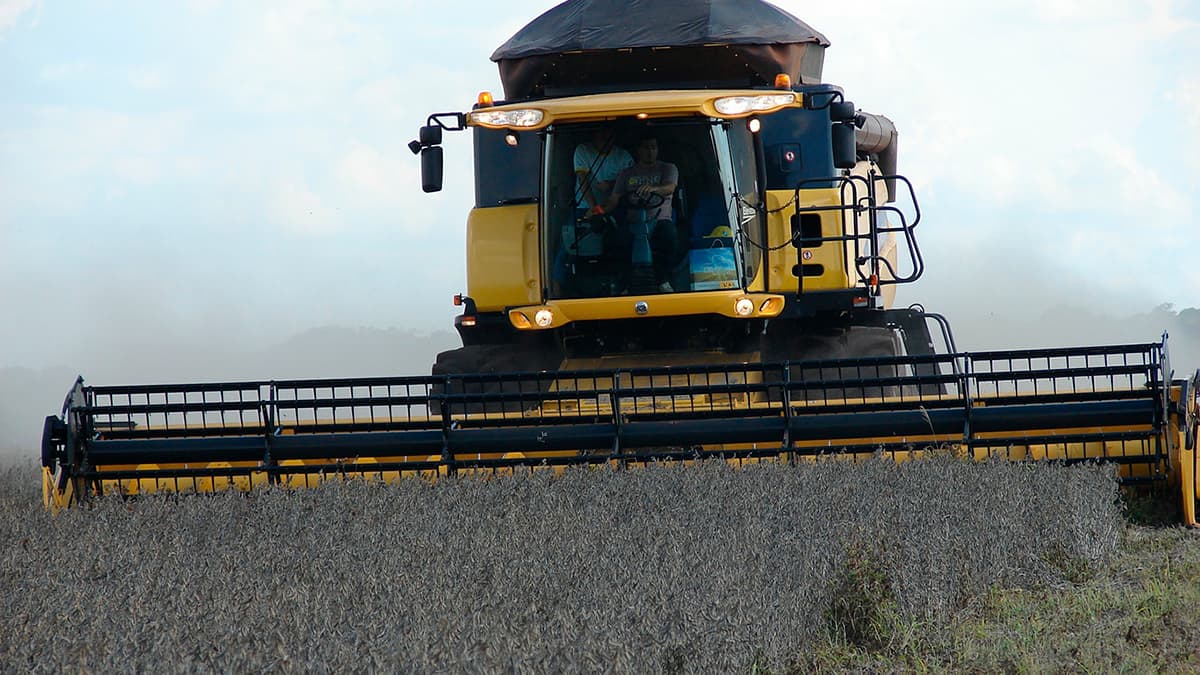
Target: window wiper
<point>518,200</point>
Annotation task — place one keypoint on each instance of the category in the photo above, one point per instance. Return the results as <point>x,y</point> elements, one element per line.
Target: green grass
<point>1139,612</point>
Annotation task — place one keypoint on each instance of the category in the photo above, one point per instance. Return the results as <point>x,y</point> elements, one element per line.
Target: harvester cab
<point>683,245</point>
<point>701,200</point>
<point>746,225</point>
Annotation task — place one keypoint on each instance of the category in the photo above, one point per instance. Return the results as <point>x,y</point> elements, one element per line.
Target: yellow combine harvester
<point>684,245</point>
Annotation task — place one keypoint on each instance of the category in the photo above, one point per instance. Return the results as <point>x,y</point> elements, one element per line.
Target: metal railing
<point>860,203</point>
<point>1070,404</point>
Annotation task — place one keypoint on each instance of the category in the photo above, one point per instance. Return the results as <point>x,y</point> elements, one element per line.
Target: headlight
<point>741,105</point>
<point>743,307</point>
<point>507,118</point>
<point>543,318</point>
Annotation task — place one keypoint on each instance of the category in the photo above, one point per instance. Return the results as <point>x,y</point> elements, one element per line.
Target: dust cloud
<point>1073,326</point>
<point>28,395</point>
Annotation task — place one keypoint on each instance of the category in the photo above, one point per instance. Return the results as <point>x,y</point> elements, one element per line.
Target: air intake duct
<point>876,136</point>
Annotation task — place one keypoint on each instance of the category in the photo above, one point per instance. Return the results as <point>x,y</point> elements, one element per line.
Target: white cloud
<point>1059,129</point>
<point>11,11</point>
<point>1186,97</point>
<point>1137,188</point>
<point>299,210</point>
<point>389,98</point>
<point>70,140</point>
<point>1163,22</point>
<point>75,165</point>
<point>137,169</point>
<point>381,186</point>
<point>203,6</point>
<point>144,78</point>
<point>64,72</point>
<point>148,77</point>
<point>370,174</point>
<point>1092,175</point>
<point>297,56</point>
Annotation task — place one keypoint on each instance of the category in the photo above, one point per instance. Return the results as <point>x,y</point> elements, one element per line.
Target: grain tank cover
<point>592,46</point>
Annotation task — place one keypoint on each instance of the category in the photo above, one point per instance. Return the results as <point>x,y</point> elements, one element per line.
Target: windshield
<point>636,209</point>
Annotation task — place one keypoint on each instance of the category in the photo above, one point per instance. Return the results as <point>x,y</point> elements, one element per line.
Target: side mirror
<point>842,111</point>
<point>430,135</point>
<point>845,150</point>
<point>431,167</point>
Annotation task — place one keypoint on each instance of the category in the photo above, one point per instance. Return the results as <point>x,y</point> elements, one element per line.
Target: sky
<point>178,175</point>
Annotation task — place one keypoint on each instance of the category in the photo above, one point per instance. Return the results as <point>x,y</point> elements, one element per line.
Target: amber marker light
<point>485,98</point>
<point>519,320</point>
<point>771,306</point>
<point>783,81</point>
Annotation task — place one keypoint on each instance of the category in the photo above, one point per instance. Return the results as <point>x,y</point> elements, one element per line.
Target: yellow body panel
<point>782,261</point>
<point>1182,474</point>
<point>502,257</point>
<point>667,304</point>
<point>836,261</point>
<point>1186,448</point>
<point>666,103</point>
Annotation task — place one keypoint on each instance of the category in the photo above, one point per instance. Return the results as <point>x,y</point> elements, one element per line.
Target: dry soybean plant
<point>680,569</point>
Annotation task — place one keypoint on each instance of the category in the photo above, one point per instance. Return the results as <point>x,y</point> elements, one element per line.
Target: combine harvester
<point>684,245</point>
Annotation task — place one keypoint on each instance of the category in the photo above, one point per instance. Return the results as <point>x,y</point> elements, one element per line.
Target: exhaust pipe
<point>876,135</point>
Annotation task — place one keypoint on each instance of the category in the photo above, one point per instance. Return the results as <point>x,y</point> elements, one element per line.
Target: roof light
<point>744,105</point>
<point>498,119</point>
<point>783,81</point>
<point>485,99</point>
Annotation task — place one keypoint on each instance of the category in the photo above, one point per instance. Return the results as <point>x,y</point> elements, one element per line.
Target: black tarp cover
<point>576,44</point>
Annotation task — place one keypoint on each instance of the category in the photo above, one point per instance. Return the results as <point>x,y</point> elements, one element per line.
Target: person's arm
<point>585,184</point>
<point>670,177</point>
<point>618,159</point>
<point>670,180</point>
<point>618,190</point>
<point>665,189</point>
<point>583,174</point>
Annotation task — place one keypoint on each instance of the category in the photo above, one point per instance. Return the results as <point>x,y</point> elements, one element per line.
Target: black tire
<point>856,343</point>
<point>54,436</point>
<point>491,371</point>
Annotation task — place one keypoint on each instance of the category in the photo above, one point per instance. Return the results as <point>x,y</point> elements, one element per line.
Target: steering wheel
<point>633,201</point>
